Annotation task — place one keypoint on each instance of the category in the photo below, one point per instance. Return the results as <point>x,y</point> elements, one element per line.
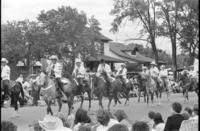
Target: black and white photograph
<point>99,65</point>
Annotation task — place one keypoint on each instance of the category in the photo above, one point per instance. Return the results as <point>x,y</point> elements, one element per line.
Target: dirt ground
<point>134,110</point>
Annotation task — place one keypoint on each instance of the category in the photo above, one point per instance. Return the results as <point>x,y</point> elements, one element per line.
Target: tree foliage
<point>144,10</point>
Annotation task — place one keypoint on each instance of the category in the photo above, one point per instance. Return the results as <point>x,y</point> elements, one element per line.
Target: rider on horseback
<point>56,71</point>
<point>122,73</point>
<point>5,77</point>
<point>154,72</point>
<point>104,69</point>
<point>79,72</point>
<point>164,75</point>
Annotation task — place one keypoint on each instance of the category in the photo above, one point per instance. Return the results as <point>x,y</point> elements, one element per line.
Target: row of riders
<point>150,78</point>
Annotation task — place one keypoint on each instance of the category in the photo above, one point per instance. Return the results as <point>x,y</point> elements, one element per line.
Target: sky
<point>29,9</point>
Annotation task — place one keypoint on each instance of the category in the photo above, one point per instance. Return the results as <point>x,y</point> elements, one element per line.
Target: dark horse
<point>101,89</point>
<point>188,83</point>
<point>14,91</point>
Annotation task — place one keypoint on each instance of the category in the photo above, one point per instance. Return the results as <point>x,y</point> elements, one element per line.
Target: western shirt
<point>5,73</point>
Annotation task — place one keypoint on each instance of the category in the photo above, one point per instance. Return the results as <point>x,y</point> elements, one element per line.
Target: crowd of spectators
<point>179,120</point>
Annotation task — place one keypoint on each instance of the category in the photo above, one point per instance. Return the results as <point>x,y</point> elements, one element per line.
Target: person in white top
<point>145,72</point>
<point>122,73</point>
<point>105,68</point>
<point>154,71</point>
<point>164,75</point>
<point>56,71</point>
<point>79,72</point>
<point>5,77</point>
<point>20,79</point>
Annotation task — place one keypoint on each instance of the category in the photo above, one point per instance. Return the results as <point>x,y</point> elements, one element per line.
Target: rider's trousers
<point>5,88</point>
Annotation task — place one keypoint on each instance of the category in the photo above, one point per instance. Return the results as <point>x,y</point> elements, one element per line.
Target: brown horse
<point>141,86</point>
<point>150,88</point>
<point>188,83</point>
<point>101,89</point>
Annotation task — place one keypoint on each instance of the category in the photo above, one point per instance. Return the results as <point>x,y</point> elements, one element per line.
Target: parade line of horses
<point>96,86</point>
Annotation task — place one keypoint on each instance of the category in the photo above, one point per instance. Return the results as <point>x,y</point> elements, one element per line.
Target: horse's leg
<point>59,100</point>
<point>82,99</point>
<point>70,104</point>
<point>127,97</point>
<point>89,98</point>
<point>47,103</point>
<point>100,102</point>
<point>139,93</point>
<point>152,95</point>
<point>110,100</point>
<point>50,110</point>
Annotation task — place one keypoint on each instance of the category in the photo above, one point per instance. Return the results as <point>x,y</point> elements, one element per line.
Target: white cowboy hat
<point>123,64</point>
<point>144,67</point>
<point>162,66</point>
<point>4,60</point>
<point>53,57</point>
<point>153,63</point>
<point>51,123</point>
<point>78,61</point>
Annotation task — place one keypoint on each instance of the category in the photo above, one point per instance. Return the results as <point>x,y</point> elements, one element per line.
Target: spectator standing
<point>103,119</point>
<point>81,118</point>
<point>123,118</point>
<point>8,126</point>
<point>159,124</point>
<point>140,126</point>
<point>118,127</point>
<point>174,121</point>
<point>151,117</point>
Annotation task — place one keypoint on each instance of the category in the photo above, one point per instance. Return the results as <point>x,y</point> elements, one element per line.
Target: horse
<point>101,89</point>
<point>140,83</point>
<point>150,88</point>
<point>127,87</point>
<point>187,83</point>
<point>14,91</point>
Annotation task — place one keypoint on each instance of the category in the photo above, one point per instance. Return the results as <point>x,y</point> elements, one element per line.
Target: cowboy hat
<point>53,57</point>
<point>51,123</point>
<point>144,67</point>
<point>162,66</point>
<point>78,61</point>
<point>4,60</point>
<point>153,63</point>
<point>123,64</point>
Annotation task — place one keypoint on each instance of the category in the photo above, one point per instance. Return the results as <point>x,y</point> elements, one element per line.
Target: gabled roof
<point>119,49</point>
<point>106,58</point>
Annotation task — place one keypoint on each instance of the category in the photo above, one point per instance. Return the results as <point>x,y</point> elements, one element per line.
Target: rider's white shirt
<point>20,79</point>
<point>5,73</point>
<point>122,72</point>
<point>40,79</point>
<point>57,69</point>
<point>163,73</point>
<point>79,71</point>
<point>145,74</point>
<point>154,72</point>
<point>106,68</point>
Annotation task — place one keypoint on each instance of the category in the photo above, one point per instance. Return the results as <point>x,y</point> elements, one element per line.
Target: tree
<point>169,10</point>
<point>144,10</point>
<point>189,29</point>
<point>23,39</point>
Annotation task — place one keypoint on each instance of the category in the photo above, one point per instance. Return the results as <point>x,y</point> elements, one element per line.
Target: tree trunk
<point>174,61</point>
<point>153,44</point>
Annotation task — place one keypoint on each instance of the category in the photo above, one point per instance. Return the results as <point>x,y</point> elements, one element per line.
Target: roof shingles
<point>119,48</point>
